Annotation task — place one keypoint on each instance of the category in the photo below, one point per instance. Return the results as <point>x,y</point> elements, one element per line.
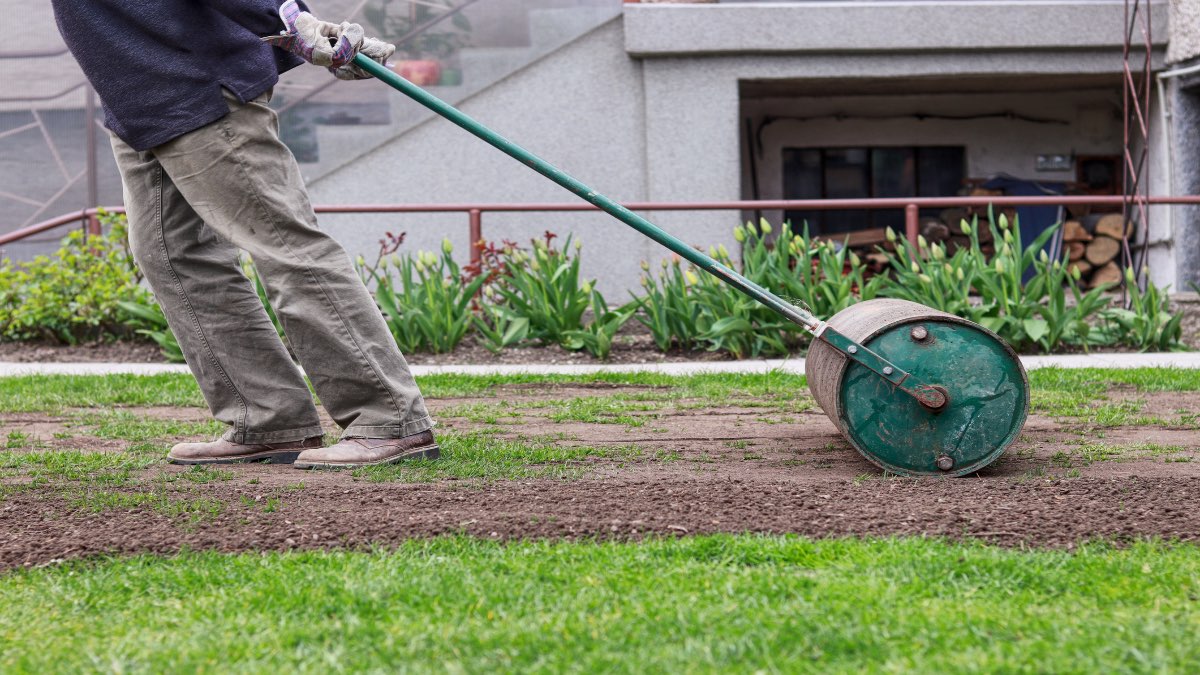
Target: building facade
<point>742,100</point>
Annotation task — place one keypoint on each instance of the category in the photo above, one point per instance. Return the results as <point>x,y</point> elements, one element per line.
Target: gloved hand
<point>327,44</point>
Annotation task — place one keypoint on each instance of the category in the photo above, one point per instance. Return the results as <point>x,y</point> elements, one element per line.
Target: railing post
<point>475,234</point>
<point>93,224</point>
<point>912,222</point>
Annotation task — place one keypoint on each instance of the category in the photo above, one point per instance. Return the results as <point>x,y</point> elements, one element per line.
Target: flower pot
<point>420,72</point>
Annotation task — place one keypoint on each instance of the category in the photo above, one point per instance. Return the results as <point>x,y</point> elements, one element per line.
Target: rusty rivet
<point>945,462</point>
<point>919,333</point>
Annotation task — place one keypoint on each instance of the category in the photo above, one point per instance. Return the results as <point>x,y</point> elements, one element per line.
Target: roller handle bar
<point>926,394</point>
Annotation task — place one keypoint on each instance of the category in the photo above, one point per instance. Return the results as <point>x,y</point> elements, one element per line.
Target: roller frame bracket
<point>932,397</point>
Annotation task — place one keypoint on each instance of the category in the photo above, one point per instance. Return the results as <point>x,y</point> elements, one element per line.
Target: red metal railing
<point>911,206</point>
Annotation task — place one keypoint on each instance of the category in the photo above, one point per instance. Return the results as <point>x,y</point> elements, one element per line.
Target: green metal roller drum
<point>986,388</point>
<point>916,391</point>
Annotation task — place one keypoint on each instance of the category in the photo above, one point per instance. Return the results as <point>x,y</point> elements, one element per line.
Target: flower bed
<point>519,297</point>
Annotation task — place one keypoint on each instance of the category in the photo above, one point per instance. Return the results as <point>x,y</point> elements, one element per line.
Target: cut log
<point>1113,225</point>
<point>1084,267</point>
<point>877,261</point>
<point>934,230</point>
<point>953,218</point>
<point>861,238</point>
<point>1110,273</point>
<point>1073,230</point>
<point>1075,250</point>
<point>1101,250</point>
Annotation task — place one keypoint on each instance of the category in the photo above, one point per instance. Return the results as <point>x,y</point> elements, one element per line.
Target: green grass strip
<point>710,604</point>
<point>33,393</point>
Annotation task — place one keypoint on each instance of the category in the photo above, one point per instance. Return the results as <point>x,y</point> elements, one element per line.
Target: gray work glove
<point>327,44</point>
<point>376,50</point>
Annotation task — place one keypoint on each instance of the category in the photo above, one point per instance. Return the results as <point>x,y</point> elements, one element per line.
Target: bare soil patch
<point>707,466</point>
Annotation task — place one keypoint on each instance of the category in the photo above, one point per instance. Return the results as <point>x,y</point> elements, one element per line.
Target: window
<point>851,173</point>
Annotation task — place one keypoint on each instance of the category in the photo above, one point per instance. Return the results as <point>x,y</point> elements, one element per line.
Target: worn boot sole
<point>425,452</point>
<point>266,457</point>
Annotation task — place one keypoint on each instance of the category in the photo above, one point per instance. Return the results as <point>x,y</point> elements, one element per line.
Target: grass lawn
<point>710,604</point>
<point>740,603</point>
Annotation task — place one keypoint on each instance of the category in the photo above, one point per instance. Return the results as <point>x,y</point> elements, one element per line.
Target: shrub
<point>72,295</point>
<point>689,308</point>
<point>543,286</point>
<point>424,297</point>
<point>989,290</point>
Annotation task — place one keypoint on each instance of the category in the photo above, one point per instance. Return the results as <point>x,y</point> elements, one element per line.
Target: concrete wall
<point>581,109</point>
<point>849,26</point>
<point>1185,30</point>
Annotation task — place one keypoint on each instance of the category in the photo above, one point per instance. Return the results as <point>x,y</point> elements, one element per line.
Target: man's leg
<point>246,185</point>
<point>244,371</point>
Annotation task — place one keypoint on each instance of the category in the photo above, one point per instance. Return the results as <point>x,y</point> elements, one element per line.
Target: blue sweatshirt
<point>158,66</point>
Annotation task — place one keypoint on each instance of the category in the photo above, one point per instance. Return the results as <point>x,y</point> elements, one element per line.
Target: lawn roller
<point>916,391</point>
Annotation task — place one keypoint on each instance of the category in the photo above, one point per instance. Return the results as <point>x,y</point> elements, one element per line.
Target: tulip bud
<point>645,281</point>
<point>925,279</point>
<point>712,251</point>
<point>915,267</point>
<point>937,252</point>
<point>691,277</point>
<point>949,269</point>
<point>793,250</point>
<point>739,233</point>
<point>1043,256</point>
<point>447,247</point>
<point>1129,275</point>
<point>361,261</point>
<point>854,259</point>
<point>764,226</point>
<point>1008,237</point>
<point>958,274</point>
<point>1075,273</point>
<point>921,243</point>
<point>396,262</point>
<point>420,266</point>
<point>1003,221</point>
<point>891,234</point>
<point>586,287</point>
<point>722,250</point>
<point>966,227</point>
<point>645,266</point>
<point>664,263</point>
<point>578,246</point>
<point>1006,251</point>
<point>1000,266</point>
<point>750,228</point>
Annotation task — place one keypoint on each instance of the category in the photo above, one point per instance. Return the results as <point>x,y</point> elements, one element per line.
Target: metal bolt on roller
<point>916,391</point>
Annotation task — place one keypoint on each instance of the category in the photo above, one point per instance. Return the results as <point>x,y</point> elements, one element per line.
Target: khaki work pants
<point>193,203</point>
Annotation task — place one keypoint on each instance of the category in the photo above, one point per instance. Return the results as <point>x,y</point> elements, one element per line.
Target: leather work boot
<point>355,452</point>
<point>222,451</point>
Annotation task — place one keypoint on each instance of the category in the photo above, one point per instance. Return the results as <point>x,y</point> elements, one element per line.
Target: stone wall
<point>1185,31</point>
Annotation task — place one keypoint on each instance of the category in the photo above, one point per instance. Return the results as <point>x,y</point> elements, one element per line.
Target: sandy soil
<point>731,467</point>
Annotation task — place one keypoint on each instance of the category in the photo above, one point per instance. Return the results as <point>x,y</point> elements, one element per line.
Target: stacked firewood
<point>1093,245</point>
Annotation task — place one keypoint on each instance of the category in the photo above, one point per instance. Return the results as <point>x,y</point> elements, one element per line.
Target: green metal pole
<point>618,211</point>
<point>925,393</point>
